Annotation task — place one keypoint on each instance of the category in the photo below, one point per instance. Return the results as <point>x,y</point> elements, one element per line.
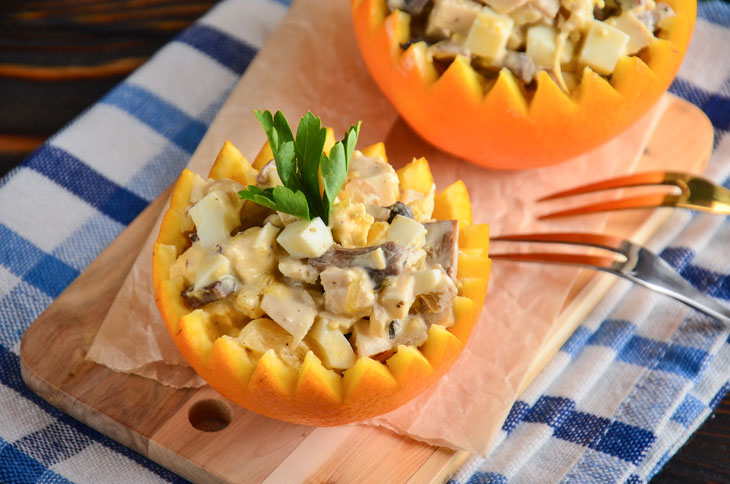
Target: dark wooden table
<point>57,57</point>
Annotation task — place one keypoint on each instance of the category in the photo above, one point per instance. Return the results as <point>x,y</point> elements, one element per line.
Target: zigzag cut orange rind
<point>499,124</point>
<point>313,394</point>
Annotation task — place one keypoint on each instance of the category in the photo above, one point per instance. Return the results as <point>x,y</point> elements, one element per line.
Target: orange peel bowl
<point>502,126</point>
<point>313,394</point>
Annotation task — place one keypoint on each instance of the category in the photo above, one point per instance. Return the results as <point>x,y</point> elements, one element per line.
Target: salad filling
<point>560,37</point>
<point>302,264</point>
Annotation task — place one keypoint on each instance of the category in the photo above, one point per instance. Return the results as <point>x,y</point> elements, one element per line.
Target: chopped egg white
<point>306,238</point>
<point>215,216</point>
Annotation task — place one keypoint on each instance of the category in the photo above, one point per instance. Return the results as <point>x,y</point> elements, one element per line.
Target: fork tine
<point>635,180</point>
<point>592,261</point>
<point>640,201</point>
<point>601,241</point>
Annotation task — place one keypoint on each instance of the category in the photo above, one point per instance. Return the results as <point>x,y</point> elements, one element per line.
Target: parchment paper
<point>311,63</point>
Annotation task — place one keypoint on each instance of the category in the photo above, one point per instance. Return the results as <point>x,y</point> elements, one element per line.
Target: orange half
<point>313,394</point>
<point>500,125</point>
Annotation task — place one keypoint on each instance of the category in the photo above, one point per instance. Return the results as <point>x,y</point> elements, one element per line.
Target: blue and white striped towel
<point>623,394</point>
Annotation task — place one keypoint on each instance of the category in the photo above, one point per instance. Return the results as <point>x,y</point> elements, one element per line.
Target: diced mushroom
<point>341,257</point>
<point>268,176</point>
<point>520,64</point>
<point>398,295</point>
<point>399,208</point>
<point>442,245</point>
<point>195,298</point>
<point>435,289</point>
<point>661,12</point>
<point>646,18</point>
<point>445,318</point>
<point>413,7</point>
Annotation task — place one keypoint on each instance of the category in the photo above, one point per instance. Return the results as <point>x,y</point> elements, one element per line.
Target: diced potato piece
<point>370,180</point>
<point>251,252</point>
<point>397,296</point>
<point>504,6</point>
<point>406,232</point>
<point>306,238</point>
<point>292,308</point>
<point>602,47</point>
<point>332,347</point>
<point>451,16</point>
<point>489,34</point>
<point>189,261</point>
<point>248,299</point>
<point>213,270</point>
<point>347,291</point>
<point>350,224</point>
<point>639,35</point>
<point>541,45</point>
<point>261,335</point>
<point>366,343</point>
<point>215,216</point>
<point>297,269</point>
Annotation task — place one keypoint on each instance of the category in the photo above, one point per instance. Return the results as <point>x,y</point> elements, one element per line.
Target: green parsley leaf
<point>293,203</point>
<point>299,163</point>
<point>309,145</point>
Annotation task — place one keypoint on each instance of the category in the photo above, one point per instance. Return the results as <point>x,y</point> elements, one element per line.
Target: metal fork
<point>640,265</point>
<point>696,193</point>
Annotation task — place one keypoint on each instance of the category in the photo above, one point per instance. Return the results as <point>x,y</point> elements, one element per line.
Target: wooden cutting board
<point>201,436</point>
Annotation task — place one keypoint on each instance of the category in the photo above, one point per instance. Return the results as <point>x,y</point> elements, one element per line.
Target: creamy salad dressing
<point>377,277</point>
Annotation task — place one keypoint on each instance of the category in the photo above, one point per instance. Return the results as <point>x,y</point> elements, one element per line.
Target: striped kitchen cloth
<point>623,394</point>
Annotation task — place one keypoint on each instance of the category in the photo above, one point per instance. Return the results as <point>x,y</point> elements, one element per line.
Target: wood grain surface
<point>57,57</point>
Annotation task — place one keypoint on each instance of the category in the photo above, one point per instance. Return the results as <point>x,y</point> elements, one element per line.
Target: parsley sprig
<point>299,162</point>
